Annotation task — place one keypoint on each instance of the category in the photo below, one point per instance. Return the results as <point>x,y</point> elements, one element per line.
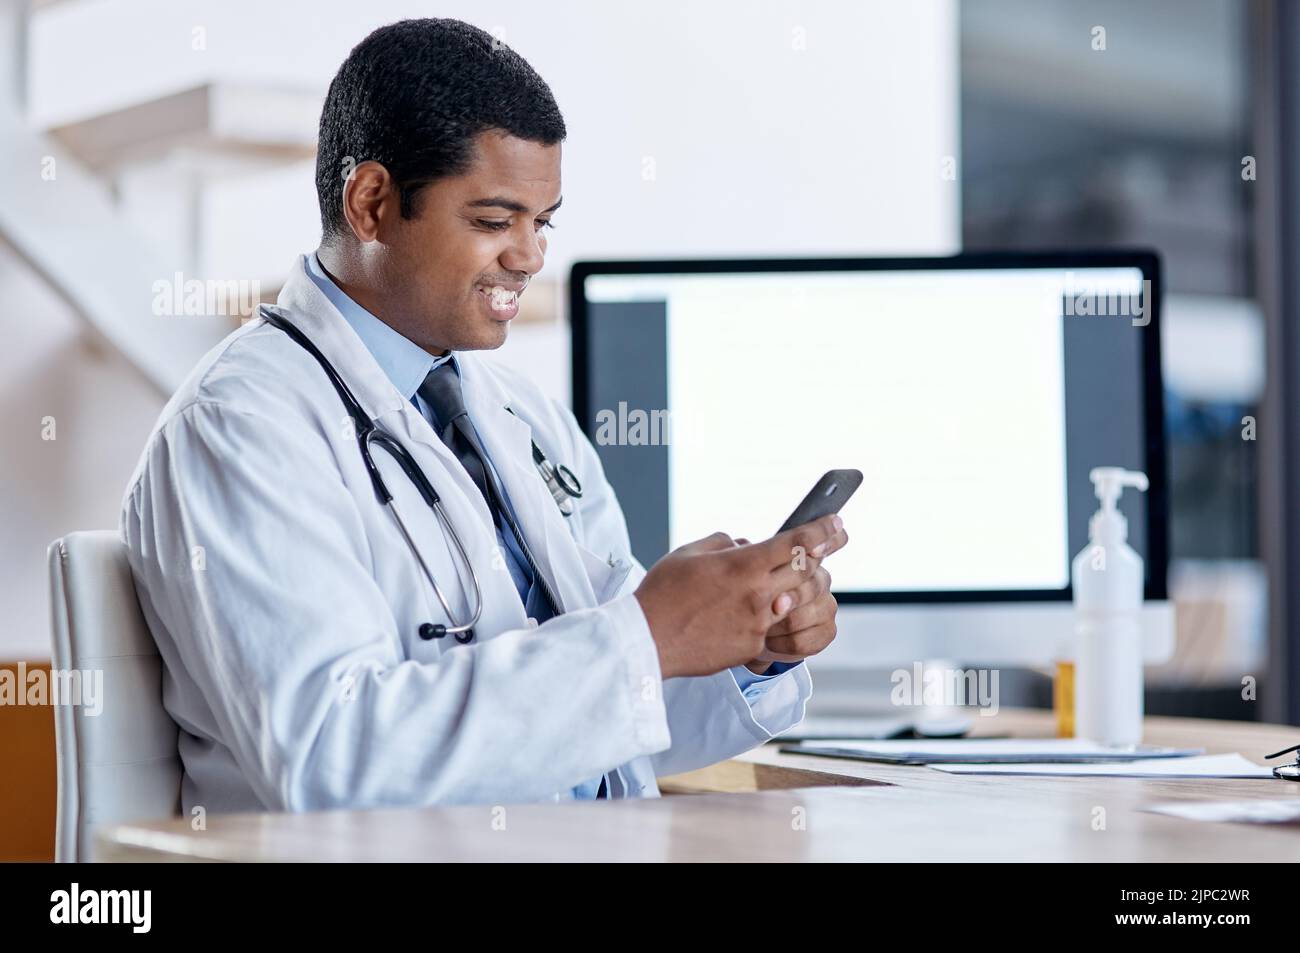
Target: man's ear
<point>369,196</point>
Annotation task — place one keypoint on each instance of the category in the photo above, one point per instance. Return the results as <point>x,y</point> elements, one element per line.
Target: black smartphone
<point>828,496</point>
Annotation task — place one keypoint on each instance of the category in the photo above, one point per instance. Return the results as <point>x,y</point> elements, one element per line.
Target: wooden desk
<point>790,808</point>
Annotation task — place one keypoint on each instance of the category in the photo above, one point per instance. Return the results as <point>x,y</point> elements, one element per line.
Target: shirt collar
<point>404,362</point>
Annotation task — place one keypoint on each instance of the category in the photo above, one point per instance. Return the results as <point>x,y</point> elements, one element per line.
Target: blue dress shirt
<point>407,364</point>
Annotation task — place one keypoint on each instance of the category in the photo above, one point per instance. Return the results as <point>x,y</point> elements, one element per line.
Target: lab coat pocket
<point>606,575</point>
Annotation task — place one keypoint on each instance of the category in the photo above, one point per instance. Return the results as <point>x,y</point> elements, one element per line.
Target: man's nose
<point>527,252</point>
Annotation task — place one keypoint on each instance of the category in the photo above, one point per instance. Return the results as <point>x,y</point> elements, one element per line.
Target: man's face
<point>453,272</point>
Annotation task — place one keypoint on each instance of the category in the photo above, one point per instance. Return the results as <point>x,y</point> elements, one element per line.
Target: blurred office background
<point>142,140</point>
<point>1149,135</point>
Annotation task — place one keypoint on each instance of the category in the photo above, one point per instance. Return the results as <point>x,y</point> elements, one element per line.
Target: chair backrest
<point>121,764</point>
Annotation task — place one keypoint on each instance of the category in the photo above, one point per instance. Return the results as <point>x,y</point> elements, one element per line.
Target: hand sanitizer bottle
<point>1108,580</point>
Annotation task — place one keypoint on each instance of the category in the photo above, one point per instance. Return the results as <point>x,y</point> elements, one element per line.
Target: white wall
<point>102,410</point>
<point>725,128</point>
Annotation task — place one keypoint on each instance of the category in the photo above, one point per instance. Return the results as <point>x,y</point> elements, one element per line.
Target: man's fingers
<point>801,644</point>
<point>795,544</point>
<point>803,617</point>
<point>778,657</point>
<point>807,592</point>
<point>832,545</point>
<point>788,581</point>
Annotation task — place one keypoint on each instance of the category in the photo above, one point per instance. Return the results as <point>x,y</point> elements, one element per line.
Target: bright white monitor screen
<point>947,389</point>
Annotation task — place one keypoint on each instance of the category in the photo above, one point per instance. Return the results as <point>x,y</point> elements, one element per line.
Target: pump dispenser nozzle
<point>1108,523</point>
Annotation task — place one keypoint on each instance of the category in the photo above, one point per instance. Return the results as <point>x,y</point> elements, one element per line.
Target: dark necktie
<point>441,391</point>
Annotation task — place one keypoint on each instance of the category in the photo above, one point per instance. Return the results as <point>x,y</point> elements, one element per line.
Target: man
<point>306,627</point>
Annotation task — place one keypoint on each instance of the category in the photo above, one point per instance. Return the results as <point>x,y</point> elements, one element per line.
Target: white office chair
<point>121,764</point>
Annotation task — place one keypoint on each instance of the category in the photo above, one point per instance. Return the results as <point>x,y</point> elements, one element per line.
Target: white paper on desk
<point>987,750</point>
<point>1267,811</point>
<point>830,726</point>
<point>1205,766</point>
<point>868,728</point>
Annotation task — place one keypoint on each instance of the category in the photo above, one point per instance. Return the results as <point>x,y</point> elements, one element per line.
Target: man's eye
<point>502,226</point>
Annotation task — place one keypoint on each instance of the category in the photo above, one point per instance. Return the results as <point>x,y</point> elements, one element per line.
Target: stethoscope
<point>561,482</point>
<point>1287,772</point>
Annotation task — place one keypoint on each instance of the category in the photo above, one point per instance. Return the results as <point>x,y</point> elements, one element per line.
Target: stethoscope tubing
<point>456,630</point>
<point>559,479</point>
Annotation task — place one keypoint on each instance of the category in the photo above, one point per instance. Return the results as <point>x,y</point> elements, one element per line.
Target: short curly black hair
<point>412,96</point>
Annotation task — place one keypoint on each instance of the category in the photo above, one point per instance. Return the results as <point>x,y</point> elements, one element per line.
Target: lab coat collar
<point>405,362</point>
<point>318,318</point>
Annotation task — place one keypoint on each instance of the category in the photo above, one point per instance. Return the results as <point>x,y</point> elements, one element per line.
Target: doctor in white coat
<point>295,612</point>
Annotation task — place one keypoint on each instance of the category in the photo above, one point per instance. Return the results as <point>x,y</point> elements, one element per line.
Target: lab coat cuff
<point>752,684</point>
<point>644,685</point>
<point>777,703</point>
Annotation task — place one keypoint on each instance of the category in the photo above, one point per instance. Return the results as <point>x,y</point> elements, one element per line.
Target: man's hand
<point>807,629</point>
<point>810,626</point>
<point>711,604</point>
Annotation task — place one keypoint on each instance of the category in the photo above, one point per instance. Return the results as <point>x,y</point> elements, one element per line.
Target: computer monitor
<point>974,392</point>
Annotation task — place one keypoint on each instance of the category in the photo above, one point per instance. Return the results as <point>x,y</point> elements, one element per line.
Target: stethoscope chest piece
<point>1287,772</point>
<point>430,631</point>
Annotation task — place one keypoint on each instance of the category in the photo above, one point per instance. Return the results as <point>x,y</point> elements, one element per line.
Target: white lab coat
<point>286,603</point>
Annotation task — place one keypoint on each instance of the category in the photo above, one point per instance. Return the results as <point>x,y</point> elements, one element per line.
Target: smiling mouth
<point>499,298</point>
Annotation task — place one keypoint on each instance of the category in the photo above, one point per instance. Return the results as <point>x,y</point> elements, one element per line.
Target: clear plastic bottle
<point>1108,579</point>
